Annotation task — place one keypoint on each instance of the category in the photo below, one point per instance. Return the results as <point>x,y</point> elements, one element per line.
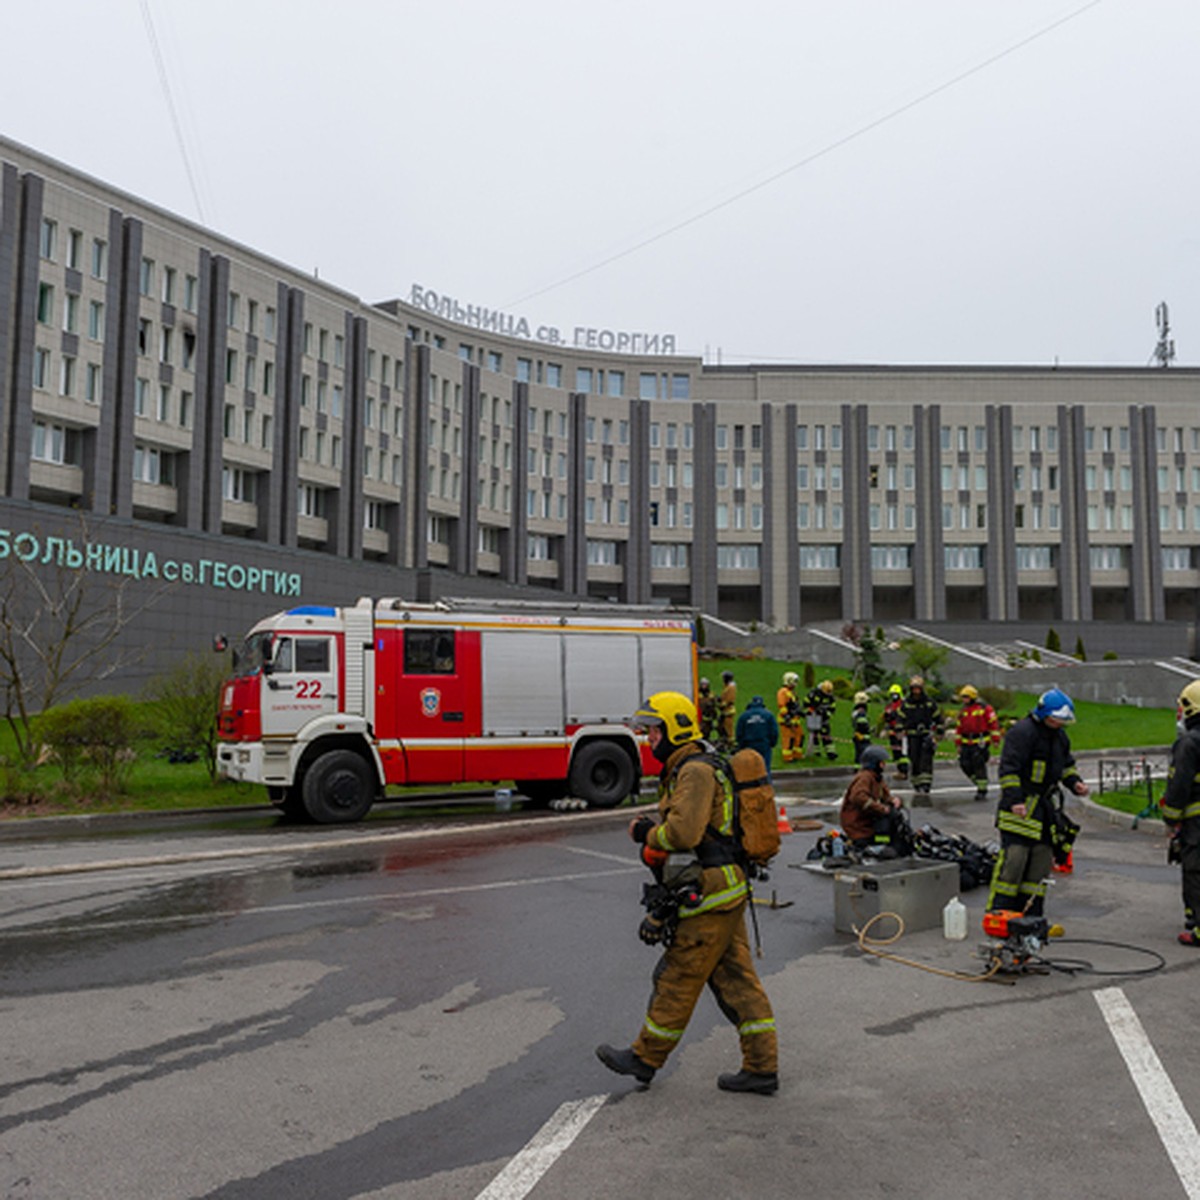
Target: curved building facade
<point>172,384</point>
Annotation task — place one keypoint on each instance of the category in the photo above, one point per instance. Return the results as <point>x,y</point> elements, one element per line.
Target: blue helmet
<point>1057,704</point>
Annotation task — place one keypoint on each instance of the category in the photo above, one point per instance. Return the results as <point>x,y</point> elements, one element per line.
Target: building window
<point>152,465</point>
<point>146,277</point>
<point>601,553</point>
<point>96,321</point>
<point>820,558</point>
<point>45,304</point>
<point>66,376</point>
<point>310,501</point>
<point>54,443</point>
<point>49,239</point>
<point>41,367</point>
<point>891,558</point>
<point>238,485</point>
<point>99,259</point>
<point>963,558</point>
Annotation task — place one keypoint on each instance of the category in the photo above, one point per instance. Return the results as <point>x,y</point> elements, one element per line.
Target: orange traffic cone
<point>785,826</point>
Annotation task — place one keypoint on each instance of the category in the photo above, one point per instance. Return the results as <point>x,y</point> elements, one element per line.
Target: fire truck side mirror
<point>220,643</point>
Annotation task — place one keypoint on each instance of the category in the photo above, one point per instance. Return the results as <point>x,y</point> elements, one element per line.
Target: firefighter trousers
<point>710,948</point>
<point>920,753</point>
<point>973,759</point>
<point>792,736</point>
<point>1189,847</point>
<point>1019,877</point>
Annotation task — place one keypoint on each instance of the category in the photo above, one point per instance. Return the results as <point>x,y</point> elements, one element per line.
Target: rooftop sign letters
<point>491,320</point>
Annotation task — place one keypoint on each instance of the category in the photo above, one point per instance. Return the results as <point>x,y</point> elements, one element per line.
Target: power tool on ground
<point>1019,940</point>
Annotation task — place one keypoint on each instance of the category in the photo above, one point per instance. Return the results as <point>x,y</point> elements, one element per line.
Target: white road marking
<point>542,1150</point>
<point>1175,1127</point>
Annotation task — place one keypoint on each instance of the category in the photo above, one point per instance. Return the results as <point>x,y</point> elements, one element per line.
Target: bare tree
<point>60,635</point>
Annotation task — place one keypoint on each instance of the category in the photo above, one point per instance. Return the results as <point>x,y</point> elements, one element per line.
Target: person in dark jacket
<point>758,730</point>
<point>1180,806</point>
<point>893,724</point>
<point>860,724</point>
<point>921,719</point>
<point>818,706</point>
<point>1034,760</point>
<point>870,813</point>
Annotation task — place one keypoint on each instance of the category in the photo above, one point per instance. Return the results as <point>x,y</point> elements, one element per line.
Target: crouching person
<point>871,815</point>
<point>704,931</point>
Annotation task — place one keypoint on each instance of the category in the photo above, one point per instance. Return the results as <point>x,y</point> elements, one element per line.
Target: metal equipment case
<point>915,889</point>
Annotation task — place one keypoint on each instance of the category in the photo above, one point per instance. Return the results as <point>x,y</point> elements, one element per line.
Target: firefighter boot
<point>625,1062</point>
<point>760,1082</point>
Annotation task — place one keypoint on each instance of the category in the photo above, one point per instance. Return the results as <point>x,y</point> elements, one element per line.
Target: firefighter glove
<point>653,929</point>
<point>639,829</point>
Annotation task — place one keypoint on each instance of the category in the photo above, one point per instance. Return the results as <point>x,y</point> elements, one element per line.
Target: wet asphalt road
<point>395,1010</point>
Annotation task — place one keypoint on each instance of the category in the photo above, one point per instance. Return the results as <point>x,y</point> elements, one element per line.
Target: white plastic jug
<point>954,919</point>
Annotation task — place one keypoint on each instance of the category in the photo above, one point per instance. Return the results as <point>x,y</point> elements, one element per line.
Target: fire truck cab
<point>329,706</point>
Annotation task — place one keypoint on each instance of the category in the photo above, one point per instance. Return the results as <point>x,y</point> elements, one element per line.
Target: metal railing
<point>1134,775</point>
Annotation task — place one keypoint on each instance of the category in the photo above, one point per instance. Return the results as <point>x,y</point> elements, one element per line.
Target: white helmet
<point>790,679</point>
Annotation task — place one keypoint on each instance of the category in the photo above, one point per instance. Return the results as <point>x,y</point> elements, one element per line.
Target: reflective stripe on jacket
<point>691,797</point>
<point>1033,761</point>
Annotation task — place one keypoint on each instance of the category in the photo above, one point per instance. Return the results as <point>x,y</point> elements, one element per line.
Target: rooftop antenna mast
<point>1165,350</point>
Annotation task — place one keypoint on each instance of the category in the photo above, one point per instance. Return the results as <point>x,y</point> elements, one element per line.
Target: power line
<point>166,89</point>
<point>811,158</point>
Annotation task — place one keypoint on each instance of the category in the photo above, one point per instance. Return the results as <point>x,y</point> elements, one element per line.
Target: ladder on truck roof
<point>491,604</point>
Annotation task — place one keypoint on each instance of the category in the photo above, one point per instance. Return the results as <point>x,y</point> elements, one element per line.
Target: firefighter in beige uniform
<point>726,712</point>
<point>791,718</point>
<point>709,945</point>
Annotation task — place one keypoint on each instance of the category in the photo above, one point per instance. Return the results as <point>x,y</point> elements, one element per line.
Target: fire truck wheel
<point>542,791</point>
<point>602,774</point>
<point>289,801</point>
<point>338,788</point>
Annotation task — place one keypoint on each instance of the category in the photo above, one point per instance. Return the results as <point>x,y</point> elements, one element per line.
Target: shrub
<point>187,699</point>
<point>1079,651</point>
<point>1053,641</point>
<point>92,737</point>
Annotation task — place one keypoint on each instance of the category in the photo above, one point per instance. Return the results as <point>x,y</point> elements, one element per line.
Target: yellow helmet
<point>967,692</point>
<point>674,713</point>
<point>1189,700</point>
<point>895,690</point>
<point>861,698</point>
<point>790,679</point>
<point>826,685</point>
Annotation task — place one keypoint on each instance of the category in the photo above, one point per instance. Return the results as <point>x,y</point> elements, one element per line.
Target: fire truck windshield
<point>250,657</point>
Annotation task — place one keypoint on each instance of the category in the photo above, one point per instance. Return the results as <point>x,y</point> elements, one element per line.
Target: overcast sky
<point>813,181</point>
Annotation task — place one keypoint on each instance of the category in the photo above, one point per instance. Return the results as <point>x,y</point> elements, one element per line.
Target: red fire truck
<point>329,706</point>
